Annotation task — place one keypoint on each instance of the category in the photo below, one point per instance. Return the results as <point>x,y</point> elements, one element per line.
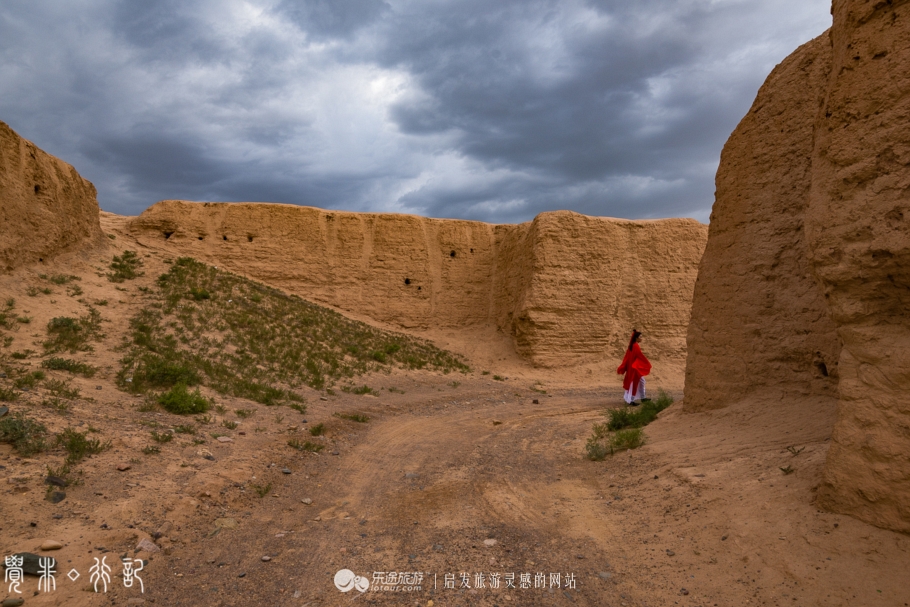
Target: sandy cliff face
<point>46,208</point>
<point>759,317</point>
<point>567,287</point>
<point>858,224</point>
<point>808,255</point>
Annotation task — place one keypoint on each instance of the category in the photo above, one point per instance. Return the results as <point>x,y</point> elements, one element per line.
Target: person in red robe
<point>634,367</point>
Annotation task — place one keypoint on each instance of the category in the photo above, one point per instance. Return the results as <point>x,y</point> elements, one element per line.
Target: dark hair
<point>635,335</point>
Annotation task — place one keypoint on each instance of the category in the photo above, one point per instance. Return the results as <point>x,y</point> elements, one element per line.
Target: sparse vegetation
<point>794,451</point>
<point>72,334</point>
<point>29,380</point>
<point>26,435</point>
<point>596,450</point>
<point>306,445</point>
<point>230,425</point>
<point>647,412</point>
<point>243,413</point>
<point>6,314</point>
<point>262,490</point>
<point>199,294</point>
<point>181,401</point>
<point>68,364</point>
<point>301,408</point>
<point>63,472</point>
<point>56,404</point>
<point>247,340</point>
<point>8,395</point>
<point>630,438</point>
<point>149,404</point>
<point>499,378</point>
<point>78,446</point>
<point>358,390</point>
<point>162,437</point>
<point>185,429</point>
<point>317,430</point>
<point>788,470</point>
<point>153,371</point>
<point>623,428</point>
<point>354,417</point>
<point>151,450</point>
<point>61,389</point>
<point>125,267</point>
<point>60,279</point>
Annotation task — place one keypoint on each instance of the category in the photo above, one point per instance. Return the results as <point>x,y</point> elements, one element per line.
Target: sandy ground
<point>453,476</point>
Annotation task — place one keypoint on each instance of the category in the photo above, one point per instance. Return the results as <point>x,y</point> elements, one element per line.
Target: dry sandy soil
<point>452,474</point>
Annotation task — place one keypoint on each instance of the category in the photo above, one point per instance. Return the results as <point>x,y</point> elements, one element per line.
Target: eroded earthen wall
<point>567,287</point>
<point>858,224</point>
<point>807,266</point>
<point>46,207</point>
<point>758,315</point>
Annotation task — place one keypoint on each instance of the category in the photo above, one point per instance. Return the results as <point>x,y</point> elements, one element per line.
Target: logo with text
<point>346,580</point>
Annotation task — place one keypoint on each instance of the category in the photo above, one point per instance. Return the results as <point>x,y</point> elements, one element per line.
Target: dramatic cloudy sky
<point>493,110</point>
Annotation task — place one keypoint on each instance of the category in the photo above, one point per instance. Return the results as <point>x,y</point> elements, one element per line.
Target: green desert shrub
<point>78,446</point>
<point>72,334</point>
<point>181,401</point>
<point>67,364</point>
<point>26,435</point>
<point>125,267</point>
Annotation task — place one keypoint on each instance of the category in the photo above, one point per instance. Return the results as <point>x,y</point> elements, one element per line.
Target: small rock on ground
<point>55,497</point>
<point>147,545</point>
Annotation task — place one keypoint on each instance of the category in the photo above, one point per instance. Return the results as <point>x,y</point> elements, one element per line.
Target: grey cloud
<point>464,108</point>
<point>333,18</point>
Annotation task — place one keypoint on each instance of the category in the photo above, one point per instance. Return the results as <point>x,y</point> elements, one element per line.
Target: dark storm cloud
<point>586,118</point>
<point>453,108</point>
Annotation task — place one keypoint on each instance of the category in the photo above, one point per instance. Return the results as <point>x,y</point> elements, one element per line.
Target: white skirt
<point>639,394</point>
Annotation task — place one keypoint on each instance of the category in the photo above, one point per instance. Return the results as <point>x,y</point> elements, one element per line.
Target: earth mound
<point>565,287</point>
<point>46,207</point>
<point>803,288</point>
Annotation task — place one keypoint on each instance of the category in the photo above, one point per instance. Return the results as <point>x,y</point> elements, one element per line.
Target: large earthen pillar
<point>858,224</point>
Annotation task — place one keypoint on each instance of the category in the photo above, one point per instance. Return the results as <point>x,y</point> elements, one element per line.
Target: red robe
<point>635,366</point>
